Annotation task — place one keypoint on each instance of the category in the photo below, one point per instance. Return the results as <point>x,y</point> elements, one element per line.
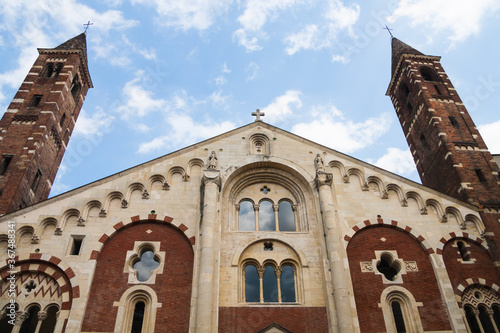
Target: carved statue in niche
<point>212,161</point>
<point>319,164</point>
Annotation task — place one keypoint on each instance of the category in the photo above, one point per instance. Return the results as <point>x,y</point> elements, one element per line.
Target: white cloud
<point>95,125</point>
<point>458,18</point>
<point>491,136</point>
<point>220,80</point>
<point>252,71</point>
<point>398,161</point>
<point>185,131</point>
<point>255,16</point>
<point>59,187</point>
<point>319,36</point>
<point>282,106</point>
<point>250,44</point>
<point>331,129</point>
<point>225,69</point>
<point>219,100</point>
<point>185,15</point>
<point>138,101</point>
<point>339,58</point>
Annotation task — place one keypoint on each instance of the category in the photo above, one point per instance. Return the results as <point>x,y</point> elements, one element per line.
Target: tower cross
<point>257,115</point>
<point>388,30</point>
<point>87,25</point>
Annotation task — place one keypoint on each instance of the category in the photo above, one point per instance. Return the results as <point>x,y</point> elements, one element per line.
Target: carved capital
<point>323,178</point>
<point>102,213</point>
<point>145,194</point>
<point>21,316</point>
<point>42,315</point>
<point>166,186</point>
<point>58,231</point>
<point>35,239</point>
<point>124,203</point>
<point>81,222</point>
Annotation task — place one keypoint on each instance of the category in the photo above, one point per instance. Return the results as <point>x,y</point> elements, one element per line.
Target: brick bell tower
<point>35,129</point>
<point>450,155</point>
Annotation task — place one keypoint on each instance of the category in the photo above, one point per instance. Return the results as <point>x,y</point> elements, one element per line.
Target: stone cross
<point>257,115</point>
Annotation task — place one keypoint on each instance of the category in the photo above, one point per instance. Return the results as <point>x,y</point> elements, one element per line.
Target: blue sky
<point>168,74</point>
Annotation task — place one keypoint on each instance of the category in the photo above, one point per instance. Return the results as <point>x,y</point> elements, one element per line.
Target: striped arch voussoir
<point>394,224</point>
<point>453,235</point>
<point>471,281</point>
<point>39,262</point>
<point>138,219</point>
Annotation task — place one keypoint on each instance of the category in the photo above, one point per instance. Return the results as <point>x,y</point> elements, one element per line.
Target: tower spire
<point>38,123</point>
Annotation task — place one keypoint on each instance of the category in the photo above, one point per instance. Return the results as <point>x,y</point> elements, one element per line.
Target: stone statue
<point>319,164</point>
<point>212,161</point>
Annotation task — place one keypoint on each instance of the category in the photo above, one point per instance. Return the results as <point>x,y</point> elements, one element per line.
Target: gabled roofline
<point>221,136</point>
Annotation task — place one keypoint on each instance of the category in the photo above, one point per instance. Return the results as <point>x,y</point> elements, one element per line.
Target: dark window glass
<point>138,317</point>
<point>480,175</point>
<point>5,327</point>
<point>246,216</point>
<point>35,101</point>
<point>270,284</point>
<point>287,281</point>
<point>29,325</point>
<point>496,315</point>
<point>463,251</point>
<point>76,247</point>
<point>485,320</point>
<point>398,317</point>
<point>286,217</point>
<point>266,216</point>
<point>471,319</point>
<point>252,284</point>
<point>63,118</point>
<point>4,164</point>
<point>384,266</point>
<point>454,122</point>
<point>36,180</point>
<point>49,323</point>
<point>75,88</point>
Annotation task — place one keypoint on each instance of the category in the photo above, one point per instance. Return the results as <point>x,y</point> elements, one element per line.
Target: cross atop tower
<point>257,115</point>
<point>388,30</point>
<point>87,25</point>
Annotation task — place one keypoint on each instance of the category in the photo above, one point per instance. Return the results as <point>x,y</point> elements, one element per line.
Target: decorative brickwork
<point>173,287</point>
<point>368,288</point>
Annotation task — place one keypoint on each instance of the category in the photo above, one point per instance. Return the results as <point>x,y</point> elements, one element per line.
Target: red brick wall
<point>173,287</point>
<point>368,287</point>
<point>15,184</point>
<point>459,272</point>
<point>254,319</point>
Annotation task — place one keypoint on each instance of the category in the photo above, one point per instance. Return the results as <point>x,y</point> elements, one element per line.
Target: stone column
<point>21,316</point>
<point>211,181</point>
<point>336,253</point>
<point>42,315</point>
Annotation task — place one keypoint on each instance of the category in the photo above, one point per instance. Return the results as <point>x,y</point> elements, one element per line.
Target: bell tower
<point>450,155</point>
<point>35,129</point>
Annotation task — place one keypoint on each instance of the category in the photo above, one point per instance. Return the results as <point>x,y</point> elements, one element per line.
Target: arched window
<point>75,88</point>
<point>463,251</point>
<point>471,319</point>
<point>429,74</point>
<point>270,285</point>
<point>49,323</point>
<point>400,310</point>
<point>252,288</point>
<point>481,306</point>
<point>5,326</point>
<point>485,320</point>
<point>286,217</point>
<point>146,265</point>
<point>397,314</point>
<point>246,216</point>
<point>287,282</point>
<point>267,220</point>
<point>30,323</point>
<point>138,317</point>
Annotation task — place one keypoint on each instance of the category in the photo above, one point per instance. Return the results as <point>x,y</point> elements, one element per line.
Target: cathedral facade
<point>254,230</point>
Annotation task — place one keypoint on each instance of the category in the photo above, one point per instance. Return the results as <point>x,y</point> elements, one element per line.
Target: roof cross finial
<point>388,30</point>
<point>257,115</point>
<point>87,26</point>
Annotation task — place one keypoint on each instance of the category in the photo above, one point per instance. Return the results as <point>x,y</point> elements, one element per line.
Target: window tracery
<point>481,309</point>
<point>144,262</point>
<point>266,216</point>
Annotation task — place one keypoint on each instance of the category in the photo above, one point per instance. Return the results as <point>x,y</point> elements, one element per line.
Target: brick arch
<point>394,224</point>
<point>188,233</point>
<point>455,235</point>
<point>55,268</point>
<point>475,281</point>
